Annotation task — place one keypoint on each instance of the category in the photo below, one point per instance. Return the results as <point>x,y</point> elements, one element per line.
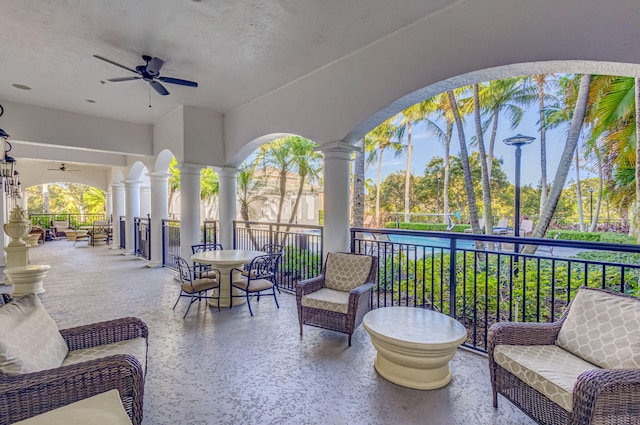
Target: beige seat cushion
<point>345,272</point>
<point>327,299</point>
<point>200,285</point>
<point>101,409</point>
<point>256,285</point>
<point>30,340</point>
<point>603,329</point>
<point>136,347</point>
<point>547,368</point>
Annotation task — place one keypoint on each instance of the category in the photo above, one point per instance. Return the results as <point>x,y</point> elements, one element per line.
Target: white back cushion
<point>603,329</point>
<point>30,339</point>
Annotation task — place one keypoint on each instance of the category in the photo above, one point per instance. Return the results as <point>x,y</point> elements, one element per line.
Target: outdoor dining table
<point>225,260</point>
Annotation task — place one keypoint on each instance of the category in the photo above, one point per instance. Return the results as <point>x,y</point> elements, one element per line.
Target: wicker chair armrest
<point>107,332</point>
<point>31,394</point>
<point>310,285</point>
<point>509,333</point>
<point>607,392</point>
<point>361,289</point>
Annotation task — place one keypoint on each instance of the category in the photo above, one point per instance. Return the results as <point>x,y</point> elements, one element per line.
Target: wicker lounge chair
<point>582,369</point>
<point>94,364</point>
<point>340,296</point>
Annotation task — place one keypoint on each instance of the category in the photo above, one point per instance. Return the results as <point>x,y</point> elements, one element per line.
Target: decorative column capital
<point>190,168</point>
<point>132,183</point>
<point>336,150</point>
<point>226,171</point>
<point>158,177</point>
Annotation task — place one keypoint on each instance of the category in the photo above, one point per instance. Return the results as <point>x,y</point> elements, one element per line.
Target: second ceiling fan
<point>149,72</point>
<point>63,167</point>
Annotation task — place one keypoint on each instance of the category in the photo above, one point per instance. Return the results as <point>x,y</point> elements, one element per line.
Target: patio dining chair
<point>205,270</point>
<point>100,232</point>
<point>260,277</point>
<point>195,288</point>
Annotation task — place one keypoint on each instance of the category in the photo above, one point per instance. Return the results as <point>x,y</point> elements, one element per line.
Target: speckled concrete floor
<point>229,368</point>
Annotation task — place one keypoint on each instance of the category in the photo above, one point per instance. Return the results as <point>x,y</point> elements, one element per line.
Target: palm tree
<point>378,140</point>
<point>464,156</point>
<point>503,98</point>
<point>439,108</point>
<point>564,166</point>
<point>484,167</point>
<point>408,117</point>
<point>249,190</point>
<point>277,155</point>
<point>307,163</point>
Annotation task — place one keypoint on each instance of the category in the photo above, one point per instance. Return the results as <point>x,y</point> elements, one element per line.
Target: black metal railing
<point>142,237</point>
<point>170,242</point>
<point>302,254</point>
<point>210,231</point>
<point>479,280</point>
<point>122,222</point>
<point>75,220</point>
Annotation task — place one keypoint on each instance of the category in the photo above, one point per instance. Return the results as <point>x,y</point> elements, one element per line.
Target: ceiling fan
<point>63,167</point>
<point>149,72</point>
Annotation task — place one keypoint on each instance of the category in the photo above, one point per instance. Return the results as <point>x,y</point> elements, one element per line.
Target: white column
<point>159,211</point>
<point>145,200</point>
<point>132,209</point>
<point>25,200</point>
<point>226,204</point>
<point>108,204</point>
<point>336,196</point>
<point>118,209</point>
<point>189,208</point>
<point>3,220</point>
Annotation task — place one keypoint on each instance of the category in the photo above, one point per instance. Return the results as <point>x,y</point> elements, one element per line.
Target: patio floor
<point>230,368</point>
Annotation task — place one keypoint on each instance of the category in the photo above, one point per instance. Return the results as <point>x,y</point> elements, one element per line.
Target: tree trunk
<point>492,142</point>
<point>637,215</point>
<point>407,177</point>
<point>579,194</point>
<point>540,79</point>
<point>447,170</point>
<point>46,203</point>
<point>464,156</point>
<point>486,188</point>
<point>565,163</point>
<point>283,193</point>
<point>596,213</point>
<point>358,187</point>
<point>378,190</point>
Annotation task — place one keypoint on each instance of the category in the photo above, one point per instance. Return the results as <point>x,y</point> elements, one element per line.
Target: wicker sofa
<point>96,358</point>
<point>582,369</point>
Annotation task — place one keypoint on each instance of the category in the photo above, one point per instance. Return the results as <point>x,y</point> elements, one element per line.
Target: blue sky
<point>426,146</point>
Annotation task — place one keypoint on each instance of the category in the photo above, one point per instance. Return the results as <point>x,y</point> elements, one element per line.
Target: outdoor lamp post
<point>591,190</point>
<point>518,141</point>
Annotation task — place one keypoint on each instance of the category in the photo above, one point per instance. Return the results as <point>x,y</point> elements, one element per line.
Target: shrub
<point>430,227</point>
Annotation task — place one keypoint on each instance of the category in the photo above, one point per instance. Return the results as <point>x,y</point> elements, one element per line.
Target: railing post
<point>452,278</point>
<point>235,229</point>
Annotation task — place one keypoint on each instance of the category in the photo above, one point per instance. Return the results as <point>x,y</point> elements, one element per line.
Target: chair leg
<point>179,296</point>
<point>188,308</point>
<point>249,304</point>
<point>301,329</point>
<point>349,340</point>
<point>275,298</point>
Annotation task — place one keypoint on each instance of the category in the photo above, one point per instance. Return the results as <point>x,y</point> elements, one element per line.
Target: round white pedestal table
<point>414,345</point>
<point>225,260</point>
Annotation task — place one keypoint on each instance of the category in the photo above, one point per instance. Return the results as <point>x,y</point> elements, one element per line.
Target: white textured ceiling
<point>237,50</point>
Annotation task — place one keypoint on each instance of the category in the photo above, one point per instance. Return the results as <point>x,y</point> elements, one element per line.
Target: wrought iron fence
<point>302,247</point>
<point>170,242</point>
<point>210,231</point>
<point>123,232</point>
<point>142,237</point>
<point>75,220</point>
<point>479,280</point>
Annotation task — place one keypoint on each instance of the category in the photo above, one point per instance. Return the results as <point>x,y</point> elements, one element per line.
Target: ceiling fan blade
<point>114,63</point>
<point>159,88</point>
<point>116,80</point>
<point>178,81</point>
<point>154,65</point>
